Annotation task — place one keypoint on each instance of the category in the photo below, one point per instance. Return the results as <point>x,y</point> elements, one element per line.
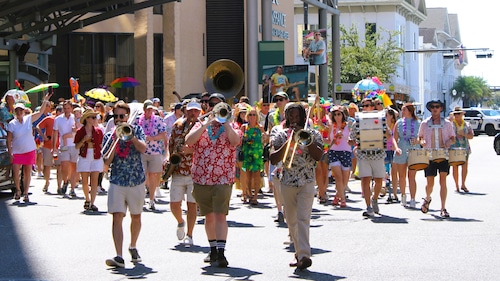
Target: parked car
<point>483,120</point>
<point>6,179</point>
<point>496,144</point>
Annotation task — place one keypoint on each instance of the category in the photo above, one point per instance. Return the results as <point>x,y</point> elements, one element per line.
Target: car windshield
<point>489,112</point>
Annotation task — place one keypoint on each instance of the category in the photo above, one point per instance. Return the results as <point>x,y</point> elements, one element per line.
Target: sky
<point>478,23</point>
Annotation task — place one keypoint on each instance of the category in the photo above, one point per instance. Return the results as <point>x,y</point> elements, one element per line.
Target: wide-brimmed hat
<point>434,101</point>
<point>88,113</point>
<point>19,105</point>
<point>458,110</point>
<point>337,108</point>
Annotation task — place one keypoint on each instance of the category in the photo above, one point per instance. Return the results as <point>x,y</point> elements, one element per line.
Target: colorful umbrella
<point>19,96</point>
<point>42,88</point>
<point>101,94</point>
<point>367,85</point>
<point>124,82</point>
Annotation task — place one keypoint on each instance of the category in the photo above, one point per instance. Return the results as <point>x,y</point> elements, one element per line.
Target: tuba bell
<point>224,76</point>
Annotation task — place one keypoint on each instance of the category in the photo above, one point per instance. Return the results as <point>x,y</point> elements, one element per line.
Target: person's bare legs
<point>26,178</point>
<point>444,190</point>
<point>153,183</point>
<point>94,179</point>
<point>135,229</point>
<point>117,231</point>
<point>85,185</point>
<point>412,183</point>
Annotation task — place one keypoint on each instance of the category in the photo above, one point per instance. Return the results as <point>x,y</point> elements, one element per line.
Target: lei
<point>459,127</point>
<point>412,129</point>
<point>211,134</point>
<point>149,130</point>
<point>122,153</point>
<point>276,116</point>
<point>336,136</point>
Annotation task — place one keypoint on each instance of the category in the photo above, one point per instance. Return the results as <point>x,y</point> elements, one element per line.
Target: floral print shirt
<point>152,127</point>
<point>127,171</point>
<point>303,165</point>
<point>214,158</point>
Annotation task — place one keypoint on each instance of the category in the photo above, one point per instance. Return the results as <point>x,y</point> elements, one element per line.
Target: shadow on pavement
<point>15,264</point>
<point>313,275</point>
<point>389,219</point>
<point>193,249</point>
<point>233,272</point>
<point>454,219</point>
<point>139,271</point>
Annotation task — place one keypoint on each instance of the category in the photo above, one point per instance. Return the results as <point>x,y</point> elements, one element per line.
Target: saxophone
<point>175,158</point>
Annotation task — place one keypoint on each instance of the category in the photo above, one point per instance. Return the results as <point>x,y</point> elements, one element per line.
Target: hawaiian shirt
<point>303,166</point>
<point>214,157</point>
<point>179,132</point>
<point>5,114</point>
<point>462,141</point>
<point>127,171</point>
<point>427,132</point>
<point>152,127</point>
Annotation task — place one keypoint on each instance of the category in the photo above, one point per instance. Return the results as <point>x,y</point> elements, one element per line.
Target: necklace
<point>459,127</point>
<point>122,153</point>
<point>337,133</point>
<point>276,116</point>
<point>211,134</point>
<point>149,130</point>
<point>412,129</point>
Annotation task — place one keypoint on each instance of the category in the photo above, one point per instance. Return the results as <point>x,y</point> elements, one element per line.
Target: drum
<point>457,156</point>
<point>438,154</point>
<point>418,159</point>
<point>370,127</point>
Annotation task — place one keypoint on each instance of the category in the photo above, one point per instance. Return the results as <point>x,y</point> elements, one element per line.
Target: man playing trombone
<point>122,152</point>
<point>299,148</point>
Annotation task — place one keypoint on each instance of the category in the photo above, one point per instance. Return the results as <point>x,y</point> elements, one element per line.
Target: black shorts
<point>431,170</point>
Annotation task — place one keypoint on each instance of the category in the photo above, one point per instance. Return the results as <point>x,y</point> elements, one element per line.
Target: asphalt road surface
<point>53,239</point>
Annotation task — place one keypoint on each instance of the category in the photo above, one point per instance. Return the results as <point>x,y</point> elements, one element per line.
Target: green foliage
<point>378,54</point>
<point>475,90</point>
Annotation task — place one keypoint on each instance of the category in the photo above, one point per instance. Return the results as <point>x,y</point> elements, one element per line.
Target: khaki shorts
<point>121,197</point>
<point>48,158</point>
<point>179,186</point>
<point>212,198</point>
<point>371,168</point>
<point>70,155</point>
<point>152,163</point>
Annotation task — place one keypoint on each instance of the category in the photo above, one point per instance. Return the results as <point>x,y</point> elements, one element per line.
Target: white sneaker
<point>403,200</point>
<point>412,203</point>
<point>152,205</point>
<point>180,231</point>
<point>188,241</point>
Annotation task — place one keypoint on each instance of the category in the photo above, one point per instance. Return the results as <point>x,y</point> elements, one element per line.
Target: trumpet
<point>221,112</point>
<point>302,137</point>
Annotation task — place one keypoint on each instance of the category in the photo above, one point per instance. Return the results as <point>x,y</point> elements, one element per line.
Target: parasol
<point>367,85</point>
<point>101,94</point>
<point>42,88</point>
<point>19,96</point>
<point>124,82</point>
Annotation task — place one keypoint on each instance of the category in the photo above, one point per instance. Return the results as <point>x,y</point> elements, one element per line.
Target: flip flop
<point>425,205</point>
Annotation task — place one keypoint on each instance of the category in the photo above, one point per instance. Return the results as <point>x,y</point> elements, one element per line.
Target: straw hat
<point>88,113</point>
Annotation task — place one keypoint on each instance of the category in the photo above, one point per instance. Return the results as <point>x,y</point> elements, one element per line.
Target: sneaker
<point>72,193</point>
<point>188,241</point>
<point>115,262</point>
<point>211,257</point>
<point>280,218</point>
<point>152,205</point>
<point>46,187</point>
<point>369,212</point>
<point>64,187</point>
<point>221,260</point>
<point>403,199</point>
<point>180,230</point>
<point>40,175</point>
<point>375,206</point>
<point>289,241</point>
<point>101,190</point>
<point>412,203</point>
<point>94,208</point>
<point>135,255</point>
<point>59,191</point>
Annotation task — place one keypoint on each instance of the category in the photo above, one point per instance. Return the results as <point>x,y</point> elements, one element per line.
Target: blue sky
<point>479,29</point>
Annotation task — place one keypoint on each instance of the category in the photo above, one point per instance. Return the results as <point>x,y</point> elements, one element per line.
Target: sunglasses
<point>204,101</point>
<point>121,116</point>
<point>265,105</point>
<point>252,114</point>
<point>435,106</point>
<point>93,117</point>
<point>378,103</point>
<point>365,105</point>
<point>278,100</point>
<point>337,114</point>
<point>212,104</point>
<point>98,106</point>
<point>458,113</point>
<point>318,34</point>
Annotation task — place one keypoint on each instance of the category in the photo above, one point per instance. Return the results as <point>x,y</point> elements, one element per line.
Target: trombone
<point>303,136</point>
<point>123,131</point>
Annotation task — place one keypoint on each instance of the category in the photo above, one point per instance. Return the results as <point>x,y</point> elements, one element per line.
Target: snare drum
<point>438,154</point>
<point>418,159</point>
<point>457,156</point>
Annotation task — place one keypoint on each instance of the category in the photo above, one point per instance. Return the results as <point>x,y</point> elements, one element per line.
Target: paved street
<point>52,239</point>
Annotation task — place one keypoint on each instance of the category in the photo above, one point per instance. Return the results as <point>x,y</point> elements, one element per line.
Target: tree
<point>377,55</point>
<point>475,90</point>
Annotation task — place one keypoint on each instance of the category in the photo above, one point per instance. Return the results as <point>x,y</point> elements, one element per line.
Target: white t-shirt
<point>22,135</point>
<point>64,125</point>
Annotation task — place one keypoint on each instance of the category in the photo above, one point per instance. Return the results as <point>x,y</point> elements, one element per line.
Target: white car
<point>483,120</point>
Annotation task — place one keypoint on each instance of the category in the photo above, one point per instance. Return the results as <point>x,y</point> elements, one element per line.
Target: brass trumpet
<point>221,111</point>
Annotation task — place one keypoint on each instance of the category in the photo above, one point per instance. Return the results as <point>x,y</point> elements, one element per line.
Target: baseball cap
<point>178,106</point>
<point>155,100</point>
<point>147,104</point>
<point>281,94</point>
<point>193,105</point>
<point>19,105</point>
<point>218,96</point>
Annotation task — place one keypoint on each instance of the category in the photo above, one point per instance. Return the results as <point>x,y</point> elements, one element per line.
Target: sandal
<point>17,196</point>
<point>86,206</point>
<point>322,200</point>
<point>465,189</point>
<point>425,205</point>
<point>254,202</point>
<point>444,213</point>
<point>335,201</point>
<point>343,204</point>
<point>26,199</point>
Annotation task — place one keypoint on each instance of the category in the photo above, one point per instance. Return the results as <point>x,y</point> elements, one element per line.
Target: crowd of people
<point>208,147</point>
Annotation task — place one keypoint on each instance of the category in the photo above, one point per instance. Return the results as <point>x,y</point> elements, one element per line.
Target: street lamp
<point>461,96</point>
